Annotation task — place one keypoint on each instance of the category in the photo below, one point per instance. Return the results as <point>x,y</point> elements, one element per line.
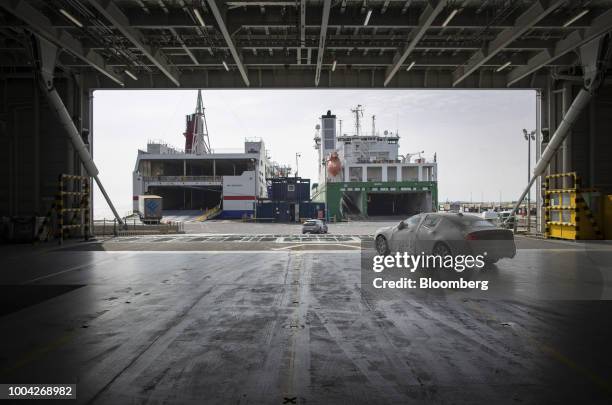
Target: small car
<point>447,234</point>
<point>506,221</point>
<point>314,226</point>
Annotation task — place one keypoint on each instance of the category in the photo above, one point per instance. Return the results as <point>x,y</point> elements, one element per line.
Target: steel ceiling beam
<point>355,60</point>
<point>523,23</point>
<point>601,25</point>
<point>385,6</point>
<point>115,16</point>
<point>322,36</point>
<point>392,19</point>
<point>184,46</point>
<point>302,78</point>
<point>39,24</point>
<point>425,20</point>
<point>339,43</point>
<point>212,4</point>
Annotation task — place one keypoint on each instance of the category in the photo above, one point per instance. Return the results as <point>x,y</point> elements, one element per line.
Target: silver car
<point>446,234</point>
<point>314,226</point>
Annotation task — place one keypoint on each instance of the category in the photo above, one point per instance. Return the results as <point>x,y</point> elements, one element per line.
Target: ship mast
<point>358,111</point>
<point>196,133</point>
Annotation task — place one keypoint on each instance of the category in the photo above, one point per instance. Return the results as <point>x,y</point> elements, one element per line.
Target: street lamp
<point>297,155</point>
<point>529,136</point>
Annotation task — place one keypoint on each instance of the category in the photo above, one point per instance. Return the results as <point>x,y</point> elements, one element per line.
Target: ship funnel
<point>328,133</point>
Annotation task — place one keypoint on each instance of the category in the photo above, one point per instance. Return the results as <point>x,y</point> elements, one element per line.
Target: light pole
<point>529,136</point>
<point>297,155</point>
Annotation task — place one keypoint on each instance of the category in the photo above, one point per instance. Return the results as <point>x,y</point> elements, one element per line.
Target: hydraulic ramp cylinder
<point>581,100</point>
<point>56,104</point>
<point>47,53</point>
<point>595,57</point>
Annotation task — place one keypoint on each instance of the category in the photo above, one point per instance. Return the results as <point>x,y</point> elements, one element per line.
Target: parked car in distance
<point>314,226</point>
<point>491,216</point>
<point>507,221</point>
<point>446,234</point>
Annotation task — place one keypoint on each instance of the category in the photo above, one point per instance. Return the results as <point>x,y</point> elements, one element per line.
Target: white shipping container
<point>150,208</point>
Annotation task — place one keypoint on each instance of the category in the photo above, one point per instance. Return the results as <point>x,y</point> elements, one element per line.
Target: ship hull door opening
<point>199,198</point>
<point>404,203</point>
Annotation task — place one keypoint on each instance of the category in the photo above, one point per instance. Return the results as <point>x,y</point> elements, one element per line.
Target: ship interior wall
<point>34,149</point>
<point>188,198</point>
<point>221,167</point>
<point>351,203</point>
<point>398,204</point>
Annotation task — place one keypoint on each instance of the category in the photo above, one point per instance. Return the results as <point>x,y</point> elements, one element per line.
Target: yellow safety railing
<point>566,213</point>
<point>209,214</point>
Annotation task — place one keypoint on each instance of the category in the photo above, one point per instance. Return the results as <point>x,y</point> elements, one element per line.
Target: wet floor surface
<point>297,327</point>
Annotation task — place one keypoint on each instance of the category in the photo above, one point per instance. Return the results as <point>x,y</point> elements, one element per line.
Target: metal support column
<point>538,152</point>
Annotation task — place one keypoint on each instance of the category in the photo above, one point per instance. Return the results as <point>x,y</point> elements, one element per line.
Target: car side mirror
<point>401,225</point>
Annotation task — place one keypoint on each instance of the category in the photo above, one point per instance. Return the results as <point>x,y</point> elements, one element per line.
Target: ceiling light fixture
<point>71,18</point>
<point>410,66</point>
<point>450,17</point>
<point>199,17</point>
<point>225,66</point>
<point>576,18</point>
<point>334,66</point>
<point>367,19</point>
<point>502,67</point>
<point>132,75</point>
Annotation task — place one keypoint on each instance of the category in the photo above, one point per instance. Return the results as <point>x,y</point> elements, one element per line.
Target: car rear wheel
<point>382,247</point>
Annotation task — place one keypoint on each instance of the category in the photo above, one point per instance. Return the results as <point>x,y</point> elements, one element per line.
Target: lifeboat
<point>333,165</point>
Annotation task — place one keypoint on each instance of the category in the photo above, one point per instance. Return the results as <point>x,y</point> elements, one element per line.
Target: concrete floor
<point>238,227</point>
<point>290,326</point>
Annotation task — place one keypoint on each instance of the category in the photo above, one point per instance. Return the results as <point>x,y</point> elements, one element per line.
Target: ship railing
<point>185,179</point>
<point>424,161</point>
<point>362,160</point>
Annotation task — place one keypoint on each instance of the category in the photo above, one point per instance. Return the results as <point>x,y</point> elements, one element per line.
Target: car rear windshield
<point>310,223</point>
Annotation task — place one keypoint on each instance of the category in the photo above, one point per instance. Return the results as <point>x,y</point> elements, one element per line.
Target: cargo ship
<point>197,178</point>
<point>362,174</point>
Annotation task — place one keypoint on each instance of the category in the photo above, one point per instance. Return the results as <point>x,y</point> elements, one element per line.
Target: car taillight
<point>471,236</point>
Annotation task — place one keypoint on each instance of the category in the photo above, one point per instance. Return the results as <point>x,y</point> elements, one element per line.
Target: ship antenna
<point>199,107</point>
<point>373,125</point>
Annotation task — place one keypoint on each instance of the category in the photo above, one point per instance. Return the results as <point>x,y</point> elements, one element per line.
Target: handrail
<point>218,179</point>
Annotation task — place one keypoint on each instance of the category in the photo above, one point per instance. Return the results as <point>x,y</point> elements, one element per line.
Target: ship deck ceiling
<point>307,44</point>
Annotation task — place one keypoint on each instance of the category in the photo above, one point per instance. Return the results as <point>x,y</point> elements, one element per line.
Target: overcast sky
<point>477,134</point>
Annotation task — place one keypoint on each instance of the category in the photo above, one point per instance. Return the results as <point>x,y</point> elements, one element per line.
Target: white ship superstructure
<point>363,173</point>
<point>199,178</point>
